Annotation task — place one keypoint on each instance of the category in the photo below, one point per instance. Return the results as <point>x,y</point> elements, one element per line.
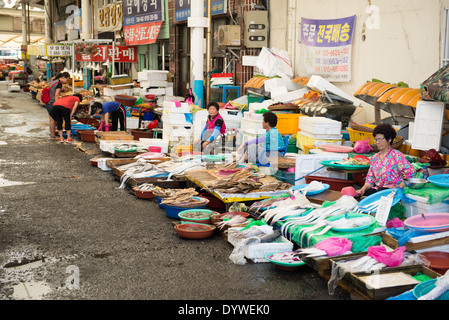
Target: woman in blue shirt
<point>259,150</point>
<point>113,109</point>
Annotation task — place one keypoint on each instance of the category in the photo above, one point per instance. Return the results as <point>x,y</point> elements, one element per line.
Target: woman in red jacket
<point>65,108</point>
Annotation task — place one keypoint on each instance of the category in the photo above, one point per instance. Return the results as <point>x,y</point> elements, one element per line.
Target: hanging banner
<point>326,48</point>
<point>142,33</point>
<point>142,11</point>
<point>101,53</point>
<point>182,8</point>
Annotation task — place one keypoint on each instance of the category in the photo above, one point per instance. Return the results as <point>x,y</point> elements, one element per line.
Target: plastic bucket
<point>172,212</point>
<point>155,149</point>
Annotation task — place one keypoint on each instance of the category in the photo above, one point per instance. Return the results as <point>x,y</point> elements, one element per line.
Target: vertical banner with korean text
<point>142,20</point>
<point>326,48</point>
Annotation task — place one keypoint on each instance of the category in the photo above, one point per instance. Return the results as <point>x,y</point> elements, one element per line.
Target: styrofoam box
<point>101,163</point>
<point>155,91</point>
<point>415,208</point>
<point>132,122</point>
<point>157,75</point>
<point>175,119</point>
<point>253,116</point>
<point>422,206</point>
<point>321,136</point>
<point>257,251</point>
<point>111,92</point>
<point>170,107</point>
<point>251,125</point>
<point>153,83</point>
<point>309,164</point>
<point>428,125</point>
<point>320,84</point>
<point>177,130</point>
<point>147,142</point>
<point>319,125</point>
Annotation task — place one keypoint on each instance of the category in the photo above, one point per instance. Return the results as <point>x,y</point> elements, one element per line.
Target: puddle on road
<point>34,290</point>
<point>7,183</point>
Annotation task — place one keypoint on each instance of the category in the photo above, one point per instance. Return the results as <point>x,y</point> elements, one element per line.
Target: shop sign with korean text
<point>146,33</point>
<point>326,48</point>
<point>142,11</point>
<point>122,54</point>
<point>109,17</point>
<point>57,50</point>
<point>182,8</point>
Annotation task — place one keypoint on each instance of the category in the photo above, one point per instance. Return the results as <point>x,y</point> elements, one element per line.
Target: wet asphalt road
<point>55,205</point>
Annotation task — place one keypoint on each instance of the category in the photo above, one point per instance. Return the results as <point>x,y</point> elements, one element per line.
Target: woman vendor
<point>259,150</point>
<point>388,167</point>
<point>214,127</point>
<point>110,108</point>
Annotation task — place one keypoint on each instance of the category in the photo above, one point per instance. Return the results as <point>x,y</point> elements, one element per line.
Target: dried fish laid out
<point>169,193</point>
<point>138,169</point>
<point>145,187</point>
<point>234,220</point>
<point>183,198</point>
<point>286,257</point>
<point>179,168</point>
<point>245,181</point>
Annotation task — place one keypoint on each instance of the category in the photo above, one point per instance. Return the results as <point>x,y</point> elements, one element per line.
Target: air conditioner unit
<point>229,36</point>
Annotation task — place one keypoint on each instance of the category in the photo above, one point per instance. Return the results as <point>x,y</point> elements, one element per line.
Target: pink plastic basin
<point>431,222</point>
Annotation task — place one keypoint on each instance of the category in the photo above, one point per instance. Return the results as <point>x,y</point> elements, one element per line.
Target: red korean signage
<point>101,53</point>
<point>145,33</point>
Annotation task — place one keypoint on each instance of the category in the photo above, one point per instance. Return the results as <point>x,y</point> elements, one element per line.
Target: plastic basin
<point>439,260</point>
<point>431,222</point>
<point>183,215</point>
<point>194,230</point>
<point>334,184</point>
<point>173,212</point>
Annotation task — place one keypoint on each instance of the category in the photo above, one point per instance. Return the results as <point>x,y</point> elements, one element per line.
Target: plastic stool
<point>156,132</point>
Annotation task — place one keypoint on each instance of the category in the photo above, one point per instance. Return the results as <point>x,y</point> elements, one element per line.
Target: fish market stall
<point>231,183</point>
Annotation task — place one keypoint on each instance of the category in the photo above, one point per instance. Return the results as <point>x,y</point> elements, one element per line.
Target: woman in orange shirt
<point>65,108</point>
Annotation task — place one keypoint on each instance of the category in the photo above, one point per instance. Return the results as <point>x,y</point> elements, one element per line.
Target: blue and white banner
<point>326,48</point>
<point>182,8</point>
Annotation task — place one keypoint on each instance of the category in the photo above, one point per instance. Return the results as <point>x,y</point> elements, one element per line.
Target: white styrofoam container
<point>290,96</point>
<point>319,125</point>
<point>258,251</point>
<point>170,107</point>
<point>428,126</point>
<point>153,83</point>
<point>320,84</point>
<point>419,207</point>
<point>132,122</point>
<point>254,106</point>
<point>273,83</point>
<point>155,91</point>
<point>157,75</point>
<point>101,163</point>
<point>309,164</point>
<point>252,125</point>
<point>147,142</point>
<point>112,92</point>
<point>176,119</point>
<point>321,136</point>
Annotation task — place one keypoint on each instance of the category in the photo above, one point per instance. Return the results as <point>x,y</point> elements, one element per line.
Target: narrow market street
<point>62,219</point>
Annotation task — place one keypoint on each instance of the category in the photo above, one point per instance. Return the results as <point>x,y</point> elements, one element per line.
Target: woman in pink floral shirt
<point>388,167</point>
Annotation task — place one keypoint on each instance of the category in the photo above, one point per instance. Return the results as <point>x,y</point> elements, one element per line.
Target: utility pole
<point>209,50</point>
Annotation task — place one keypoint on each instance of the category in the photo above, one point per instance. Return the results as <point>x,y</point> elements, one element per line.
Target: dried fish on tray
<point>245,181</point>
<point>180,198</point>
